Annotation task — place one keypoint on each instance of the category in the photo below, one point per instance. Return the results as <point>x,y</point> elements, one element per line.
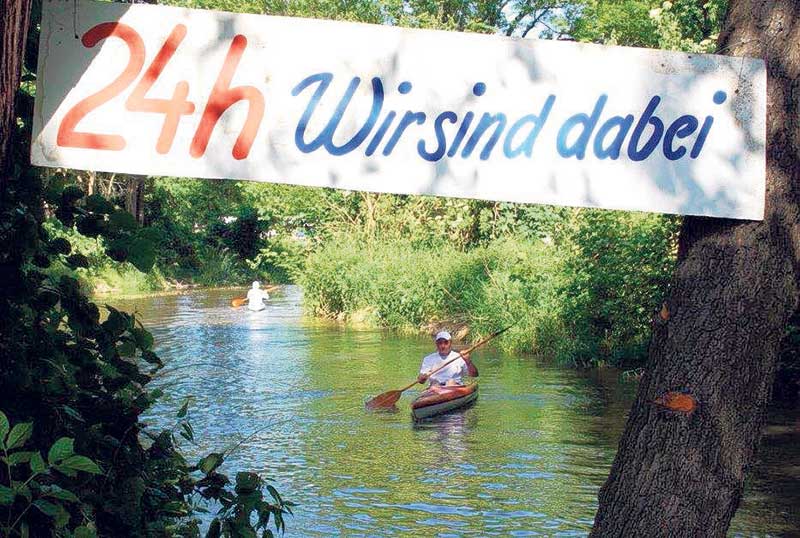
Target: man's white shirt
<point>455,370</point>
<point>256,298</point>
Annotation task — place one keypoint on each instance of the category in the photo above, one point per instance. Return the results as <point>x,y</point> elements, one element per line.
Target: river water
<point>526,460</point>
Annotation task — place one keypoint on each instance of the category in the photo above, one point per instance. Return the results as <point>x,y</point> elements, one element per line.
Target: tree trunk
<point>134,197</point>
<point>717,339</point>
<point>91,180</point>
<point>14,17</point>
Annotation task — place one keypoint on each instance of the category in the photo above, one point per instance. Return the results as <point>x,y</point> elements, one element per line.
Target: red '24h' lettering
<point>222,96</point>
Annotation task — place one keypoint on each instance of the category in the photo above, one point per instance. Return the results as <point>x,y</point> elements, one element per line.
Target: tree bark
<point>718,337</point>
<point>134,197</point>
<point>14,17</point>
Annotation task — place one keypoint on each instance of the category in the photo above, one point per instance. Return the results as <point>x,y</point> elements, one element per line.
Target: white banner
<point>157,90</point>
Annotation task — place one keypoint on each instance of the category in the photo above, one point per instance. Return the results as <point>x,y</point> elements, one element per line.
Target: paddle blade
<point>239,301</point>
<point>384,401</point>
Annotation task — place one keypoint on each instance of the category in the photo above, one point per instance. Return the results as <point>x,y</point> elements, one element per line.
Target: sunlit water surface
<point>526,460</point>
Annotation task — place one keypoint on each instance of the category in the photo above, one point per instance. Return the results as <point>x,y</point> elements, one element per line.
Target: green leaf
<point>19,434</point>
<point>122,221</point>
<point>117,322</point>
<point>91,225</point>
<point>117,249</point>
<point>46,507</point>
<point>85,532</point>
<point>188,432</point>
<point>143,338</point>
<point>97,204</point>
<point>247,482</point>
<point>6,495</point>
<point>215,529</point>
<point>242,528</point>
<point>61,449</point>
<point>62,494</point>
<point>77,261</point>
<point>150,234</point>
<point>4,427</point>
<point>73,413</point>
<point>174,507</point>
<point>22,489</point>
<point>82,463</point>
<point>210,462</point>
<point>142,253</point>
<point>68,471</point>
<point>275,494</point>
<point>70,194</point>
<point>151,358</point>
<point>18,457</point>
<point>62,517</point>
<point>55,185</point>
<point>37,463</point>
<point>127,349</point>
<point>184,408</point>
<point>59,245</point>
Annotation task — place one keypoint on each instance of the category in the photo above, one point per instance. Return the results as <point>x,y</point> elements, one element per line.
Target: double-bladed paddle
<point>388,399</point>
<point>239,301</point>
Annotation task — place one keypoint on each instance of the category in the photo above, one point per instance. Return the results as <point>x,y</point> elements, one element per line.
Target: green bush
<point>618,268</point>
<point>587,298</point>
<point>101,273</point>
<point>74,389</point>
<point>407,287</point>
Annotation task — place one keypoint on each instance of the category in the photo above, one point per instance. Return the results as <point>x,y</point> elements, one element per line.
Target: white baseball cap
<point>443,335</point>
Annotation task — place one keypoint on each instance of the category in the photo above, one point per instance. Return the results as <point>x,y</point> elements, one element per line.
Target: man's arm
<point>472,370</point>
<point>424,370</point>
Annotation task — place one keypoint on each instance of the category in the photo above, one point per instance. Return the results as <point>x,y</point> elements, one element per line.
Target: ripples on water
<point>526,460</point>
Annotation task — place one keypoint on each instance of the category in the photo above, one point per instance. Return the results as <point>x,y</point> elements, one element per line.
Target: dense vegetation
<point>76,459</point>
<point>583,285</point>
<point>584,292</point>
<point>75,387</point>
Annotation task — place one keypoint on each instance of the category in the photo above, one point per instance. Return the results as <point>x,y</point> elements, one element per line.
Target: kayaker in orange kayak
<point>256,297</point>
<point>452,373</point>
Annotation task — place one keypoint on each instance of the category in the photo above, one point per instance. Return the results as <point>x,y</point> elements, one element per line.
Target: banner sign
<point>166,91</point>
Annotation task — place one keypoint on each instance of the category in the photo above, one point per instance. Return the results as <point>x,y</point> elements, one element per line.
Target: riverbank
<point>179,289</point>
<point>576,300</point>
<point>177,267</point>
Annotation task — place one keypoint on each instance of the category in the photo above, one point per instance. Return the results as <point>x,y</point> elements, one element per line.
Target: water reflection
<point>526,459</point>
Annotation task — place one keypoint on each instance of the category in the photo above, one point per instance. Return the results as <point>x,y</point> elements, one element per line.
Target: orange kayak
<point>437,400</point>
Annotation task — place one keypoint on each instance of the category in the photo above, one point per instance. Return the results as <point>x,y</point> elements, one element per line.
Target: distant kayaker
<point>256,297</point>
<point>453,372</point>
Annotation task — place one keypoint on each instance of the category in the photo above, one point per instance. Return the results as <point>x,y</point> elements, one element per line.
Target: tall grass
<point>396,285</point>
<point>586,299</point>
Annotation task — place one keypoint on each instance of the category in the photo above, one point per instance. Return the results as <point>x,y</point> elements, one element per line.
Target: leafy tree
<point>686,25</point>
<point>615,277</point>
<point>74,387</point>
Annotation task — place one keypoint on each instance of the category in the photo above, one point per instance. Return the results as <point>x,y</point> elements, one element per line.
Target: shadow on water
<point>527,458</point>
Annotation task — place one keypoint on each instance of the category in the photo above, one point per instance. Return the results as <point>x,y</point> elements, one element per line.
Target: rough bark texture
<point>735,287</point>
<point>134,197</point>
<point>14,16</point>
